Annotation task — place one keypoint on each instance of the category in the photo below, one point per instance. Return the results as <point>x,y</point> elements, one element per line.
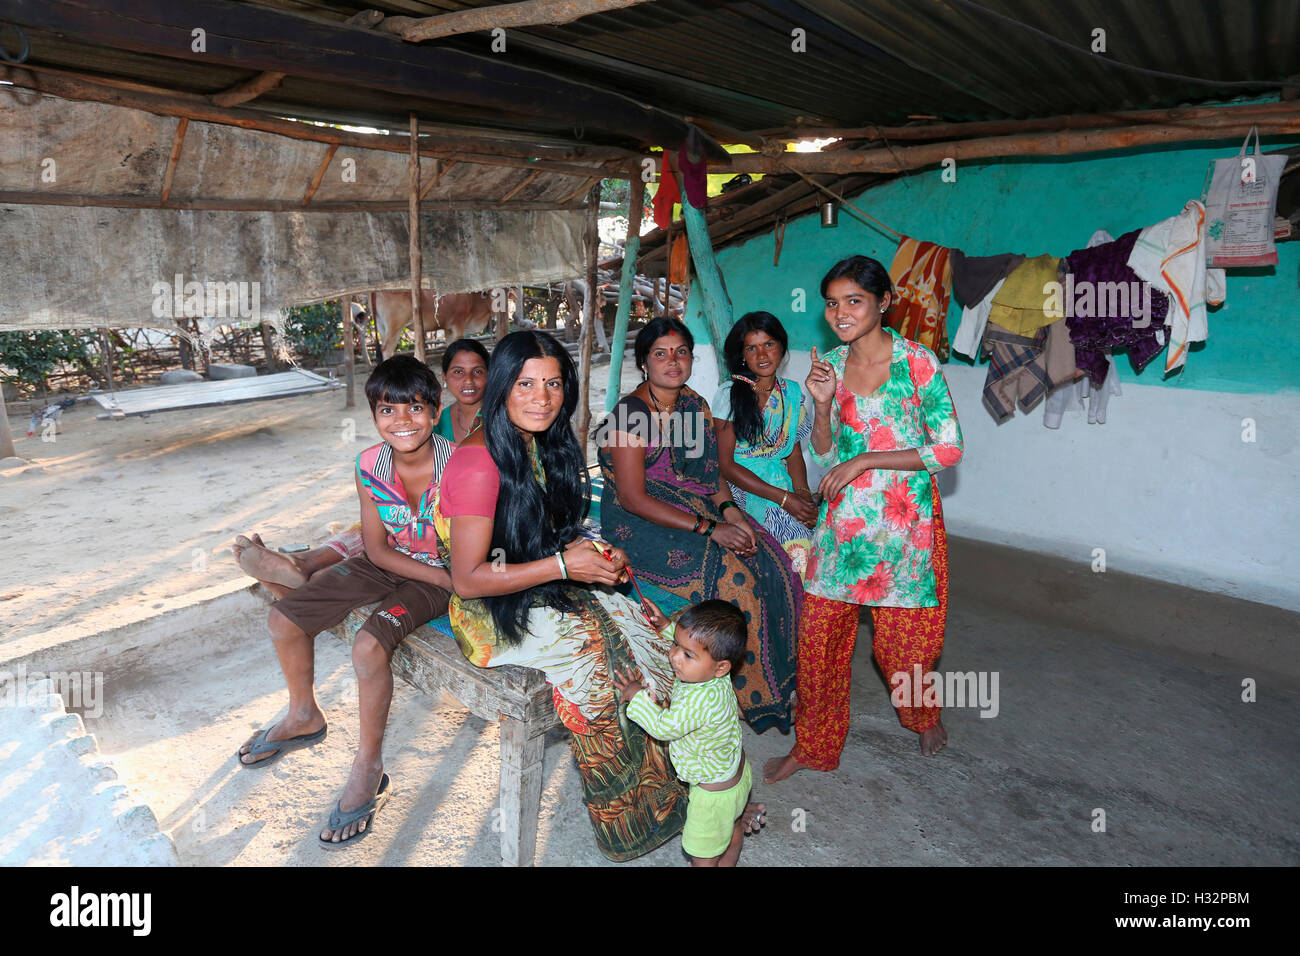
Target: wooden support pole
<point>6,434</point>
<point>320,173</point>
<point>589,315</point>
<point>716,304</point>
<point>349,360</point>
<point>28,198</point>
<point>433,180</point>
<point>1067,143</point>
<point>514,192</point>
<point>171,160</point>
<point>417,265</point>
<point>636,202</point>
<point>525,13</point>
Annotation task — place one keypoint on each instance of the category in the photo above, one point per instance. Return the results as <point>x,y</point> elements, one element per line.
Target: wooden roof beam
<point>527,13</point>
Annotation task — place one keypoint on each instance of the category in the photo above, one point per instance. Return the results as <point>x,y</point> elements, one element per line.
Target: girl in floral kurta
<point>884,424</point>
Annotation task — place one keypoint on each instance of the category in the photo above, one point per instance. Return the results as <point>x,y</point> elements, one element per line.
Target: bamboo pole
<point>349,360</point>
<point>716,306</point>
<point>28,198</point>
<point>172,159</point>
<point>592,237</point>
<point>417,266</point>
<point>6,434</point>
<point>636,201</point>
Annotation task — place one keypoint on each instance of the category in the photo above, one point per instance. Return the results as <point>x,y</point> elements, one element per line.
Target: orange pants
<point>828,631</point>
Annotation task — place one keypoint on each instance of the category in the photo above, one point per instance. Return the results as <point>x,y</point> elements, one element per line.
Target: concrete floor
<point>1115,693</point>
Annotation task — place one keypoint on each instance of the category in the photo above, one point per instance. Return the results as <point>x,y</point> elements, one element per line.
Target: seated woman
<point>464,365</point>
<point>760,420</point>
<point>529,588</point>
<point>664,503</point>
<point>464,369</point>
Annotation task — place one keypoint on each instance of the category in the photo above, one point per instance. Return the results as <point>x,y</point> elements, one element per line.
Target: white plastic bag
<point>1240,197</point>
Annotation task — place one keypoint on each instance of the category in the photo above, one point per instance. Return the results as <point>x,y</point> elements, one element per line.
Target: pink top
<point>470,484</point>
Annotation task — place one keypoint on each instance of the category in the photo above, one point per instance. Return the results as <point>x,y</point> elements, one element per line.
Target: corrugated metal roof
<point>731,63</point>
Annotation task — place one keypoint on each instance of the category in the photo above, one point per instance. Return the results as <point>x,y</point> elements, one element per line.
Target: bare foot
<point>751,818</point>
<point>778,768</point>
<point>290,726</point>
<point>363,784</point>
<point>270,567</point>
<point>934,740</point>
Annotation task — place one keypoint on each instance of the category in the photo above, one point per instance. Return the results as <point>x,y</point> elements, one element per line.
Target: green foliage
<point>27,358</point>
<point>315,330</point>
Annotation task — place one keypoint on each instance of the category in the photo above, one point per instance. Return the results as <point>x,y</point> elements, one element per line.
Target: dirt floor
<point>115,557</point>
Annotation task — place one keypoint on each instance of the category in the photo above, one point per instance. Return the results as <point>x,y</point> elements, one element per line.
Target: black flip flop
<point>339,820</point>
<point>278,748</point>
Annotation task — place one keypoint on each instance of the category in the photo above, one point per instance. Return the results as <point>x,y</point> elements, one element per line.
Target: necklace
<point>475,424</point>
<point>658,405</point>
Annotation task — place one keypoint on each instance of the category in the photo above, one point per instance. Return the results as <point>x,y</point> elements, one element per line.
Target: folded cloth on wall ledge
<point>1024,369</point>
<point>1108,307</point>
<point>1073,396</point>
<point>973,320</point>
<point>922,278</point>
<point>1171,256</point>
<point>1021,305</point>
<point>974,277</point>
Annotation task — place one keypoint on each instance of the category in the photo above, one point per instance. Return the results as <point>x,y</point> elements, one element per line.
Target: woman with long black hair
<point>530,587</point>
<point>760,420</point>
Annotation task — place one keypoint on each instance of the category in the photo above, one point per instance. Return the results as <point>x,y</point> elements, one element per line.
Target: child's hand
<point>657,617</point>
<point>629,683</point>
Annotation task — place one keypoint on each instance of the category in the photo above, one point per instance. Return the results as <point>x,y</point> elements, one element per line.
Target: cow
<point>458,314</point>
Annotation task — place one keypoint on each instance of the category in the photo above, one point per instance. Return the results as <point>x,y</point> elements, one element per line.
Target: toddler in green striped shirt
<point>700,719</point>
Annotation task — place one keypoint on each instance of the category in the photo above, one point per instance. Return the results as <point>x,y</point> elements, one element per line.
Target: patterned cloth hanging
<point>922,277</point>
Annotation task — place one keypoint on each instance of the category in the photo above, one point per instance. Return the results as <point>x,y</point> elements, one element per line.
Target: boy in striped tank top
<point>397,485</point>
<point>700,719</point>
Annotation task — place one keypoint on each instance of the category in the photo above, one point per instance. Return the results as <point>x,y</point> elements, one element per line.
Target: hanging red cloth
<point>666,196</point>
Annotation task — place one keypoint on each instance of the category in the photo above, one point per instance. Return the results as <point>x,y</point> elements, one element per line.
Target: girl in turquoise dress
<point>760,420</point>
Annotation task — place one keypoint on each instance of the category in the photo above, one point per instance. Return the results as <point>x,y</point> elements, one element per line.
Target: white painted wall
<point>1167,486</point>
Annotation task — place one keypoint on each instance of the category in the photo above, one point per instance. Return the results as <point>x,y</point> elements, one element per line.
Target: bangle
<point>699,525</point>
<point>785,497</point>
<point>564,571</point>
<point>713,526</point>
<point>725,505</point>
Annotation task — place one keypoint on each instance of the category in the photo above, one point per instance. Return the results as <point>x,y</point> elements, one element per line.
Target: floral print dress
<point>874,541</point>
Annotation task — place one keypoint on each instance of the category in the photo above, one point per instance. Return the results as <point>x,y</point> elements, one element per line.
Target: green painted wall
<point>1037,206</point>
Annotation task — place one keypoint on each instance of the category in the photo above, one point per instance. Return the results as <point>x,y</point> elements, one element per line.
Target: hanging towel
<point>973,320</point>
<point>1171,256</point>
<point>974,277</point>
<point>922,278</point>
<point>1021,306</point>
<point>678,259</point>
<point>666,196</point>
<point>1024,369</point>
<point>1106,307</point>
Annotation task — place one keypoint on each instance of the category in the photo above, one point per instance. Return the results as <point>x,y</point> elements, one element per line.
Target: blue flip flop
<point>278,748</point>
<point>338,819</point>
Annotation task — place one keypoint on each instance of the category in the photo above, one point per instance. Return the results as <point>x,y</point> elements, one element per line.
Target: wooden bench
<point>518,697</point>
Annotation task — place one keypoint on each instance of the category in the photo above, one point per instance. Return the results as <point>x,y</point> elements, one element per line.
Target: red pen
<point>609,556</point>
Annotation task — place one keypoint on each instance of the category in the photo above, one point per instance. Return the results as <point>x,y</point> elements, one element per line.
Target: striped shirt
<point>701,725</point>
<point>409,532</point>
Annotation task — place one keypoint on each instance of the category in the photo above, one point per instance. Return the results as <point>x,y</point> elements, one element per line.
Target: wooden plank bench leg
<point>521,789</point>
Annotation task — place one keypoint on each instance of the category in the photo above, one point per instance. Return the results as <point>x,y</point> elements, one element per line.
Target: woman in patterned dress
<point>665,504</point>
<point>532,589</point>
<point>760,420</point>
<point>884,423</point>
